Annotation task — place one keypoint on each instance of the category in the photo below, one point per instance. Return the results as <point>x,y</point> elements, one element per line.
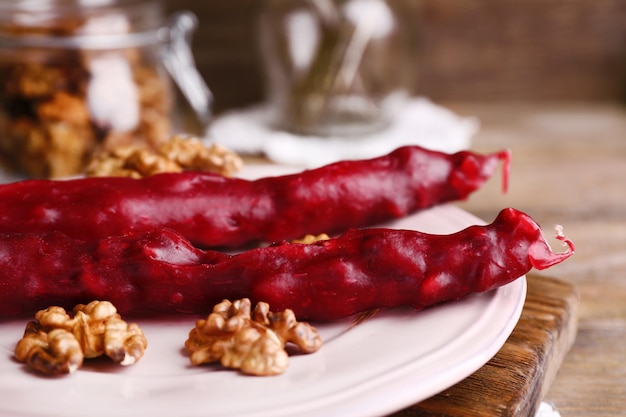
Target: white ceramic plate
<point>382,365</point>
<point>379,366</point>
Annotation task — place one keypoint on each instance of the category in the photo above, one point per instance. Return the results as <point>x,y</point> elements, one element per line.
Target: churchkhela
<point>214,211</point>
<point>160,271</point>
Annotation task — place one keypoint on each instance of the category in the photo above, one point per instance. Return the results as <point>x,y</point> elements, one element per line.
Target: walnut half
<point>56,343</point>
<point>251,341</point>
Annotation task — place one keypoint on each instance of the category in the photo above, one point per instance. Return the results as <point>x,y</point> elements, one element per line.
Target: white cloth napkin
<point>546,410</point>
<point>420,122</point>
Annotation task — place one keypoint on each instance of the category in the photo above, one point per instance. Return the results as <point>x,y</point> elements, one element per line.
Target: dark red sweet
<point>160,272</point>
<point>219,212</point>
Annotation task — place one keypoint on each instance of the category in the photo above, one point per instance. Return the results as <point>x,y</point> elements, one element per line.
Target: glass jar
<point>80,75</point>
<point>335,67</point>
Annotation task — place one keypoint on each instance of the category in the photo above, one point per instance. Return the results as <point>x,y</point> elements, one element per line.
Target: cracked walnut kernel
<point>251,341</point>
<point>55,343</point>
<point>308,239</point>
<point>178,154</point>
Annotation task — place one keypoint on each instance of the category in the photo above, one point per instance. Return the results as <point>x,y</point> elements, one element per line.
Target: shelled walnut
<point>56,343</point>
<point>308,239</point>
<point>49,123</point>
<point>59,104</point>
<point>251,341</point>
<point>178,154</point>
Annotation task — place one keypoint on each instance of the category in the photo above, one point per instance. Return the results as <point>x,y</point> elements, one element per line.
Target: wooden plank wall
<point>465,49</point>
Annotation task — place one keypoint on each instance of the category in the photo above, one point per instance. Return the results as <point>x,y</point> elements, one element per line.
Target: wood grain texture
<point>568,167</point>
<point>463,49</point>
<point>515,380</point>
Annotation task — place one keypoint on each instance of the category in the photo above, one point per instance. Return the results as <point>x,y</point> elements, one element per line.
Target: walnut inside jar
<point>60,105</point>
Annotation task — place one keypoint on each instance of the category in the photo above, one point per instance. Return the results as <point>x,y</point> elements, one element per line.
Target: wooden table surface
<point>569,168</point>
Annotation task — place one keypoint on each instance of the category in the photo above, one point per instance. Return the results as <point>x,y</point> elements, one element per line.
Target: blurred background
<point>464,50</point>
<point>336,68</point>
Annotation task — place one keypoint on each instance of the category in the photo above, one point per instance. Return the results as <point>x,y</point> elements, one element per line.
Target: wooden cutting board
<point>515,380</point>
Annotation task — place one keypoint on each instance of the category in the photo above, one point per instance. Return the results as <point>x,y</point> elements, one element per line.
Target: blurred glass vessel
<point>335,67</point>
<point>80,75</point>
